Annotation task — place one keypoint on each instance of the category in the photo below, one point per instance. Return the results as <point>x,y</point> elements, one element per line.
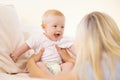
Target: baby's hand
<point>13,57</point>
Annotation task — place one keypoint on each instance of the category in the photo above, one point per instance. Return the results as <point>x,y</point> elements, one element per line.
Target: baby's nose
<point>59,29</point>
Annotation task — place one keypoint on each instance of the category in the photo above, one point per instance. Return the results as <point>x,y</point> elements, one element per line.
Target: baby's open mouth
<point>57,35</point>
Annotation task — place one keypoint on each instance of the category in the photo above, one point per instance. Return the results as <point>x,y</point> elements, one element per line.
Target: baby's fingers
<point>13,58</point>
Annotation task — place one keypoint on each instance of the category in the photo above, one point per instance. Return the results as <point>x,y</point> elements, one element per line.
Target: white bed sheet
<point>11,37</point>
<point>20,76</point>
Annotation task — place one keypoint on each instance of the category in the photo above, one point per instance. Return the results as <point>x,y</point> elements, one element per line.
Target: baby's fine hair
<point>51,12</point>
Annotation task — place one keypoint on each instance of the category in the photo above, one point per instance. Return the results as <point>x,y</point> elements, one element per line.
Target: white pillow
<point>11,37</point>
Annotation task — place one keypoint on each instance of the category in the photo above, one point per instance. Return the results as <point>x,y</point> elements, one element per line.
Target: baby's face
<point>54,27</point>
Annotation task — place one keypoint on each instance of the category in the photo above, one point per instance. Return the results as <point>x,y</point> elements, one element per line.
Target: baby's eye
<point>62,26</point>
<point>55,26</point>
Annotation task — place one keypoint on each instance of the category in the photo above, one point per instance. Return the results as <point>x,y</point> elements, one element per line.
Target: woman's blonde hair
<point>97,42</point>
<point>51,12</point>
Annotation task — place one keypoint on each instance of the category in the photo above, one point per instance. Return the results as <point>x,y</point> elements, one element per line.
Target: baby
<point>53,23</point>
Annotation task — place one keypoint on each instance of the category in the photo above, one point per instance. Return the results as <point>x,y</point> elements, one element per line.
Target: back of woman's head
<point>98,37</point>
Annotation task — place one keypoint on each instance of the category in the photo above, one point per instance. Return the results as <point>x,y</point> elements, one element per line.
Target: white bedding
<point>20,76</point>
<point>11,37</point>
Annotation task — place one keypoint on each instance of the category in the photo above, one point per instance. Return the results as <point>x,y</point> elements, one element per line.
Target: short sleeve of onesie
<point>66,42</point>
<point>34,42</point>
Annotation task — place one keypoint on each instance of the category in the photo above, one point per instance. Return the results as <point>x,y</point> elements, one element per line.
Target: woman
<point>98,49</point>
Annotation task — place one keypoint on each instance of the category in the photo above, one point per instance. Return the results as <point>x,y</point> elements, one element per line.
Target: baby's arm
<point>65,55</point>
<point>18,52</point>
<point>72,50</point>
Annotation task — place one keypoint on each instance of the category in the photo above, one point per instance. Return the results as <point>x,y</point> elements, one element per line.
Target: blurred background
<point>30,12</point>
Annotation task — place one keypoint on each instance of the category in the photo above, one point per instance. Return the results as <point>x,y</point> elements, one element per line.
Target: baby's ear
<point>43,25</point>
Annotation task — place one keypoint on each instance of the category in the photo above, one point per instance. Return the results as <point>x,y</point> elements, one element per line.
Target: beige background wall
<point>30,11</point>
